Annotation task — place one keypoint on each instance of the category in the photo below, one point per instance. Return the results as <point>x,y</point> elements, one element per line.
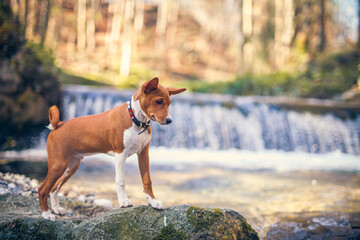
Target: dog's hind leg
<point>55,171</point>
<point>73,166</point>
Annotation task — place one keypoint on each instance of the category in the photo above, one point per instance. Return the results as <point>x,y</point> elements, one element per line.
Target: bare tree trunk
<point>138,24</point>
<point>247,29</point>
<point>70,46</point>
<point>22,14</point>
<point>113,39</point>
<point>90,27</point>
<point>81,25</point>
<point>30,20</point>
<point>58,24</point>
<point>247,7</point>
<point>279,8</point>
<point>127,39</point>
<point>139,17</point>
<point>173,18</point>
<point>284,31</point>
<point>45,8</point>
<point>14,5</point>
<point>323,23</point>
<point>50,32</point>
<point>161,24</point>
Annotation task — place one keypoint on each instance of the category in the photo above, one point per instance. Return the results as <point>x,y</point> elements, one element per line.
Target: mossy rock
<point>201,218</point>
<point>20,219</point>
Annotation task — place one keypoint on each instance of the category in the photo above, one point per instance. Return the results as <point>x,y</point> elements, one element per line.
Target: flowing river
<point>292,169</point>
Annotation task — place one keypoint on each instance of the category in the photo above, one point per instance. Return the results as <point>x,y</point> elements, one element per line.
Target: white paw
<point>125,203</point>
<point>59,211</point>
<point>47,215</point>
<point>157,204</point>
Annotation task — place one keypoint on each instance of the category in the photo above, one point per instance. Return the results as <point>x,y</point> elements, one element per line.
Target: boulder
<point>20,219</point>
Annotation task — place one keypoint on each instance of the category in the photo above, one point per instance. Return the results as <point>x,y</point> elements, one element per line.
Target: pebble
<point>20,184</point>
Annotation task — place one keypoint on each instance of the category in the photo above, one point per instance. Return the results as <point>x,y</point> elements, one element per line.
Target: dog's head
<point>155,100</point>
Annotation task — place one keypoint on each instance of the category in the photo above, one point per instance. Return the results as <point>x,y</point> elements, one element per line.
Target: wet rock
<point>324,225</point>
<point>20,219</point>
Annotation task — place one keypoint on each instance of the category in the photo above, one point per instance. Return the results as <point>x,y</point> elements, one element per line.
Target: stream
<point>292,171</point>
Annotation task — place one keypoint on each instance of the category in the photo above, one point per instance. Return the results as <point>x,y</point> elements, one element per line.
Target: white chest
<point>133,142</point>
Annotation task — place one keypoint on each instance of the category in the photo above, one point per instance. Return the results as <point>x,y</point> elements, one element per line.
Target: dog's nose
<point>168,121</point>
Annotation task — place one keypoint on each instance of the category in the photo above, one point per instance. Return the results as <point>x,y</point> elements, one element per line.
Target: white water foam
<point>237,159</point>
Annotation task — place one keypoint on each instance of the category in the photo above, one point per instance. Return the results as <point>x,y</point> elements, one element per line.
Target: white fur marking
<point>157,204</point>
<point>111,153</point>
<point>168,115</point>
<point>133,143</point>
<point>120,180</point>
<point>55,206</point>
<point>50,127</point>
<point>139,113</point>
<point>47,215</point>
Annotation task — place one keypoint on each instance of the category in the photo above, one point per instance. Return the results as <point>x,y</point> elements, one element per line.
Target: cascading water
<point>224,122</point>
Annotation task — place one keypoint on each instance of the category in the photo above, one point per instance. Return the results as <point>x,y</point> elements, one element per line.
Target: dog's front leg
<point>120,181</point>
<point>143,158</point>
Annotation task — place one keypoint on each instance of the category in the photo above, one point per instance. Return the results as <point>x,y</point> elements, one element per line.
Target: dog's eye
<point>160,101</point>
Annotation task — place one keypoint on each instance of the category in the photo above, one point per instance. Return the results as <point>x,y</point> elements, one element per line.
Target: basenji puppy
<point>120,132</point>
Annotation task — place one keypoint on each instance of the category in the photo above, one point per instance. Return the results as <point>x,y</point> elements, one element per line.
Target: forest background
<point>299,48</point>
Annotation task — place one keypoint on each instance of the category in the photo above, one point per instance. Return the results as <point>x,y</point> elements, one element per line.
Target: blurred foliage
<point>10,38</point>
<point>28,85</point>
<point>326,76</point>
<point>138,75</point>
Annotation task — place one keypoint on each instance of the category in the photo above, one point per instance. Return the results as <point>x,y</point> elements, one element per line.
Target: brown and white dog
<point>120,132</point>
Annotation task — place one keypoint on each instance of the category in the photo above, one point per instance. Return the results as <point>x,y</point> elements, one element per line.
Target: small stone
<point>26,194</point>
<point>72,194</point>
<point>82,198</point>
<point>34,183</point>
<point>103,202</point>
<point>12,186</point>
<point>90,198</point>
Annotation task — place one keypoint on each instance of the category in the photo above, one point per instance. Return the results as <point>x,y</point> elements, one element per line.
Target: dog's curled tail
<point>54,118</point>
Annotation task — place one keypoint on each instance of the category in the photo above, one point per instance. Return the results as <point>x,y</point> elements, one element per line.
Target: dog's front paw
<point>59,211</point>
<point>125,203</point>
<point>157,204</point>
<point>47,215</point>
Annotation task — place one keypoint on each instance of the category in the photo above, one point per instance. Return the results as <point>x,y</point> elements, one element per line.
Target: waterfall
<point>225,122</point>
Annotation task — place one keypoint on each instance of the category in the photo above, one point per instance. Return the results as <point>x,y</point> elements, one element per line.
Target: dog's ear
<point>150,85</point>
<point>173,91</point>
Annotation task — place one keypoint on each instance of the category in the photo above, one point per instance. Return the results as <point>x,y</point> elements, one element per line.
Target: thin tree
<point>81,25</point>
<point>30,19</point>
<point>90,27</point>
<point>45,7</point>
<point>323,23</point>
<point>127,39</point>
<point>117,7</point>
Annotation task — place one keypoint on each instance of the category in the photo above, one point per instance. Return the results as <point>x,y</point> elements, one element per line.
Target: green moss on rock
<point>201,218</point>
<point>169,233</point>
